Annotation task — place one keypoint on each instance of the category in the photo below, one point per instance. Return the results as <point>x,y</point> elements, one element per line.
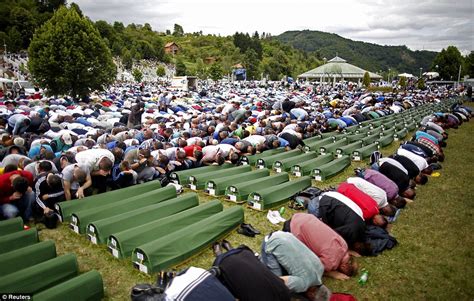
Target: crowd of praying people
<point>59,149</point>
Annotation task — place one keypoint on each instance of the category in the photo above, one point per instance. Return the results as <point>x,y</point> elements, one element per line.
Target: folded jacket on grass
<point>400,134</point>
<point>87,286</point>
<point>348,149</point>
<point>314,146</point>
<point>25,257</point>
<point>364,152</point>
<point>11,225</point>
<point>198,181</point>
<point>331,169</point>
<point>385,140</point>
<point>331,148</point>
<point>98,231</point>
<point>252,159</point>
<point>121,244</point>
<point>305,168</point>
<point>81,219</point>
<point>239,192</point>
<point>18,240</point>
<point>182,177</point>
<point>179,246</point>
<point>286,164</point>
<point>95,201</point>
<point>267,162</point>
<point>40,276</point>
<point>269,197</point>
<point>218,186</point>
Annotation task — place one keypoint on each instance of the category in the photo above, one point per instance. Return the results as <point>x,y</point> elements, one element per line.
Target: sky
<point>421,24</point>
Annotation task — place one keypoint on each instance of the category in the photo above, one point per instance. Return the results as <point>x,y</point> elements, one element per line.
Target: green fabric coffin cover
<point>312,139</point>
<point>18,240</point>
<point>272,196</point>
<point>179,246</point>
<point>331,169</point>
<point>388,125</point>
<point>85,287</point>
<point>305,168</point>
<point>121,244</point>
<point>389,131</point>
<point>370,139</point>
<point>99,231</point>
<point>351,129</point>
<point>182,177</point>
<point>410,126</point>
<point>317,144</point>
<point>364,152</point>
<point>66,209</point>
<point>199,181</point>
<point>267,162</point>
<point>375,131</point>
<point>399,135</point>
<point>385,140</point>
<point>40,276</point>
<point>356,137</point>
<point>377,123</point>
<point>218,186</point>
<point>329,134</point>
<point>348,149</point>
<point>331,148</point>
<point>252,160</point>
<point>239,192</point>
<point>286,164</point>
<point>11,225</point>
<point>363,130</point>
<point>82,218</point>
<point>25,257</point>
<point>400,125</point>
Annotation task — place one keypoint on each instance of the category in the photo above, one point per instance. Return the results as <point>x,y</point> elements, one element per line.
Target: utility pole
<point>459,74</point>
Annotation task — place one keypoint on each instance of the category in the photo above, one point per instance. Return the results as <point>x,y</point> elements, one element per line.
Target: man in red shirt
<point>16,194</point>
<point>329,246</point>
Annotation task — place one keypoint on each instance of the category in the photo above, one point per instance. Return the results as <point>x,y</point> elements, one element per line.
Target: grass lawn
<point>433,261</point>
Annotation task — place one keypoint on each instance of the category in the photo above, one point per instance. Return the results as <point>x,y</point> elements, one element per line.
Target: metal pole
<point>459,74</point>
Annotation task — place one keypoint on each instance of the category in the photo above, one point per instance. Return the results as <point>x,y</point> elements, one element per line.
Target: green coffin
<point>81,219</point>
<point>286,164</point>
<point>18,240</point>
<point>40,276</point>
<point>121,244</point>
<point>356,137</point>
<point>377,123</point>
<point>99,231</point>
<point>385,140</point>
<point>370,139</point>
<point>252,159</point>
<point>198,182</point>
<point>331,148</point>
<point>25,257</point>
<point>348,149</point>
<point>85,287</point>
<point>218,186</point>
<point>305,168</point>
<point>388,125</point>
<point>351,129</point>
<point>317,144</point>
<point>182,177</point>
<point>331,169</point>
<point>389,131</point>
<point>329,134</point>
<point>269,197</point>
<point>312,139</point>
<point>411,126</point>
<point>399,135</point>
<point>67,208</point>
<point>11,225</point>
<point>364,152</point>
<point>363,130</point>
<point>267,162</point>
<point>377,130</point>
<point>179,246</point>
<point>239,192</point>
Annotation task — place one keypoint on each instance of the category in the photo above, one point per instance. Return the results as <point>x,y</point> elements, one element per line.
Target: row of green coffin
<point>31,267</point>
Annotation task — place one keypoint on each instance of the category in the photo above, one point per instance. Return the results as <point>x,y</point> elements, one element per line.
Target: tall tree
<point>180,68</point>
<point>137,75</point>
<point>447,63</point>
<point>251,64</point>
<point>469,64</point>
<point>178,30</point>
<point>68,56</point>
<point>366,80</point>
<point>215,71</point>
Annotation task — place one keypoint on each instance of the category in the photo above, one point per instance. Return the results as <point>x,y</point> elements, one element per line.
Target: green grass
<point>433,261</point>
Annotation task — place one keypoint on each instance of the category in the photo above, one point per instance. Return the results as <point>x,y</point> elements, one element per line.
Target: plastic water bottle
<point>364,277</point>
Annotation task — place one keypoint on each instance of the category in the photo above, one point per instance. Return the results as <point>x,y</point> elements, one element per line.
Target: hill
<point>369,56</point>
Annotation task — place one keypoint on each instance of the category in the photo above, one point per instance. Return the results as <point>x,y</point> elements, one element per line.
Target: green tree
<point>251,64</point>
<point>366,80</point>
<point>178,30</point>
<point>68,56</point>
<point>160,71</point>
<point>469,64</point>
<point>137,75</point>
<point>180,68</point>
<point>127,60</point>
<point>215,71</point>
<point>421,84</point>
<point>402,82</point>
<point>448,62</point>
